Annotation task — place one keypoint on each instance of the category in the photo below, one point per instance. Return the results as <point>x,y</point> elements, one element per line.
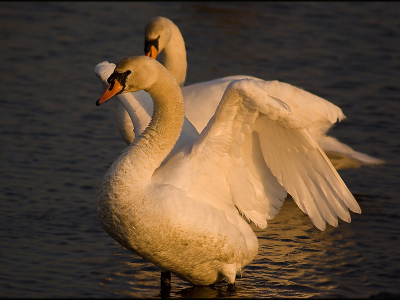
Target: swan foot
<point>231,287</point>
<point>166,280</point>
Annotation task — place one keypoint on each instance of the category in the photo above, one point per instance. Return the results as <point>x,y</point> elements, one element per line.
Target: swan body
<point>187,213</point>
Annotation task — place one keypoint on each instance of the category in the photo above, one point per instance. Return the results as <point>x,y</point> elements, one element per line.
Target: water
<point>56,145</point>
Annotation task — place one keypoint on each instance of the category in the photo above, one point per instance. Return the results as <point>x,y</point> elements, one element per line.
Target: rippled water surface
<point>56,145</point>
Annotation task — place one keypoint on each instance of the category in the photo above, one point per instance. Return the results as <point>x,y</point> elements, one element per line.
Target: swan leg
<point>165,279</point>
<point>231,287</point>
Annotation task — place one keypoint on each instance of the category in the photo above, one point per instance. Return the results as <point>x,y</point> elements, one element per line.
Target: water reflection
<point>213,291</point>
<point>301,261</point>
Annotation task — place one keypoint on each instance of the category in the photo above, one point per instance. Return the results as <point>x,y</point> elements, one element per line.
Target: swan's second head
<point>156,35</point>
<point>131,75</point>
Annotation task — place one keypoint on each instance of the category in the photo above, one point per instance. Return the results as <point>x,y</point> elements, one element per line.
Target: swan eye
<point>128,72</point>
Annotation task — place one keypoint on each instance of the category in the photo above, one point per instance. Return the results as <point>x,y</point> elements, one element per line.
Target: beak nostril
<point>111,85</point>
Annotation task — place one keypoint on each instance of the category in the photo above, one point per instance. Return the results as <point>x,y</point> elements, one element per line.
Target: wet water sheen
<point>56,145</point>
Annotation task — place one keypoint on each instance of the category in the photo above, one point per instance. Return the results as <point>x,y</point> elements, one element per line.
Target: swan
<point>163,37</point>
<point>188,213</point>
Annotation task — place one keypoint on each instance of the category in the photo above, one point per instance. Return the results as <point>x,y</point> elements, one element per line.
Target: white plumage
<point>183,212</point>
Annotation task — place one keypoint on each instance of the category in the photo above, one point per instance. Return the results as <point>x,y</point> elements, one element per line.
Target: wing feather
<point>253,151</point>
<point>304,170</point>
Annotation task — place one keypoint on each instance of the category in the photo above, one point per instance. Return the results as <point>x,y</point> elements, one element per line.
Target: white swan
<point>201,99</point>
<point>186,214</point>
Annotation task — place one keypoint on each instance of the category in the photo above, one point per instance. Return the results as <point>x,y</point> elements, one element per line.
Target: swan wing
<point>317,113</point>
<point>252,152</point>
<point>343,156</point>
<point>103,70</point>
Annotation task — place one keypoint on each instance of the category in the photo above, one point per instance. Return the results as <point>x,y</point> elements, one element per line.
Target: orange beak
<point>153,52</point>
<point>113,89</point>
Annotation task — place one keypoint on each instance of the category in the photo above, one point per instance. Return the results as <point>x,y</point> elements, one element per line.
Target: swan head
<point>131,75</point>
<point>156,35</point>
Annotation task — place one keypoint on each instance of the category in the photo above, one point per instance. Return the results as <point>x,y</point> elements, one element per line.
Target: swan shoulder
<point>202,99</point>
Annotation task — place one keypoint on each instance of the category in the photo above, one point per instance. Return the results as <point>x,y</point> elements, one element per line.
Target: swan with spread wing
<point>187,211</point>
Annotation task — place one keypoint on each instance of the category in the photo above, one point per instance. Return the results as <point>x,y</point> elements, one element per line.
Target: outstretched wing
<point>252,151</point>
<point>317,113</point>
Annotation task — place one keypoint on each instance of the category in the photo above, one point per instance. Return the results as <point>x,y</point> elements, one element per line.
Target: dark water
<point>56,145</point>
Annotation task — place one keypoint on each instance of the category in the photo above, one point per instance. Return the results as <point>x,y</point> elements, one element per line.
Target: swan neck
<point>139,116</point>
<point>159,138</point>
<point>174,55</point>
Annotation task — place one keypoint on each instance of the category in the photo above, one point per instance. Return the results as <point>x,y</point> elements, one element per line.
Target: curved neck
<point>174,55</point>
<point>148,151</point>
